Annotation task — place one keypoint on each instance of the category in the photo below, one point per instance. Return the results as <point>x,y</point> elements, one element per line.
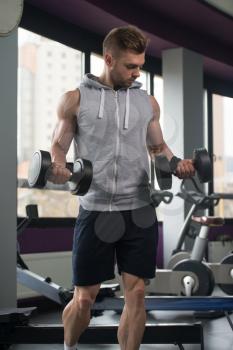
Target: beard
<point>124,83</point>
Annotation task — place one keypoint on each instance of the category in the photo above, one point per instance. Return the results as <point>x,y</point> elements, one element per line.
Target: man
<point>113,123</point>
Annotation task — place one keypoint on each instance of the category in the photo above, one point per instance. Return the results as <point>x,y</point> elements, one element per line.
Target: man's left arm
<point>156,145</point>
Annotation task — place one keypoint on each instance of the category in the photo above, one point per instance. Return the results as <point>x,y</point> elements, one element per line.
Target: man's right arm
<point>63,135</point>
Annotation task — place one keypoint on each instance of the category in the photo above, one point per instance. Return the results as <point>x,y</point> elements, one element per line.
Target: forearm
<point>61,141</point>
<point>58,154</point>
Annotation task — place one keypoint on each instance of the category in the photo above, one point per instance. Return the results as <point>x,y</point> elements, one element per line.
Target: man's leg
<point>133,318</point>
<point>122,333</point>
<point>76,315</point>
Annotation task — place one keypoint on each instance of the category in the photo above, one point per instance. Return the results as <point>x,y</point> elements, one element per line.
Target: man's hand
<point>185,169</point>
<point>58,173</point>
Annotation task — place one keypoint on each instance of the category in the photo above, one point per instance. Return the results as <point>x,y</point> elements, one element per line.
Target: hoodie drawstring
<point>101,109</point>
<point>126,121</point>
<point>127,105</point>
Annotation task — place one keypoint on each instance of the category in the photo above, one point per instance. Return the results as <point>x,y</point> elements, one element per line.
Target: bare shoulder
<point>155,107</point>
<point>69,104</point>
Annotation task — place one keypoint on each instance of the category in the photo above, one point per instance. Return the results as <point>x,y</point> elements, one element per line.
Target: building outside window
<point>41,65</point>
<point>223,152</point>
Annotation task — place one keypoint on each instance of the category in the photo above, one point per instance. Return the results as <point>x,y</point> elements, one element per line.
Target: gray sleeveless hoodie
<point>111,133</point>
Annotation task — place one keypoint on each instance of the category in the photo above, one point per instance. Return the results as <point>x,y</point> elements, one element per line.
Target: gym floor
<point>217,332</point>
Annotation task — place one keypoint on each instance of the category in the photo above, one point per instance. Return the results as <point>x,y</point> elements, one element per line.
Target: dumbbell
<point>164,169</point>
<point>79,181</point>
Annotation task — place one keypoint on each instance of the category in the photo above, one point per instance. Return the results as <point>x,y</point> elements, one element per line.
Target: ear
<point>108,59</point>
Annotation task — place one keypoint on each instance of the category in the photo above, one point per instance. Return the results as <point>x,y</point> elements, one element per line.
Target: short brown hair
<point>126,38</point>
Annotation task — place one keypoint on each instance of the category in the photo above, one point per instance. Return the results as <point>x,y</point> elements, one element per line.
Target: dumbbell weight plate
<point>204,284</point>
<point>163,172</point>
<point>39,164</point>
<point>81,178</point>
<point>227,288</point>
<point>202,163</point>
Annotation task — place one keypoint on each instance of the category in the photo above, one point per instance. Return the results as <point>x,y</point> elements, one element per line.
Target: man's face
<point>125,67</point>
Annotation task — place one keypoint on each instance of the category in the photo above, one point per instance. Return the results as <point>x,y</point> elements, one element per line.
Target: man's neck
<point>105,80</point>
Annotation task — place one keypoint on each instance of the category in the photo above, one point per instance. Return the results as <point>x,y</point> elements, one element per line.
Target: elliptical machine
<point>223,271</point>
<point>199,201</point>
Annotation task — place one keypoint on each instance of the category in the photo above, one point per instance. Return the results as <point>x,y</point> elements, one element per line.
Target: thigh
<point>136,251</point>
<point>93,259</point>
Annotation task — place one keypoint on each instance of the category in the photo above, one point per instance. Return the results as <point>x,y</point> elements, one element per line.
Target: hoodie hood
<point>91,80</point>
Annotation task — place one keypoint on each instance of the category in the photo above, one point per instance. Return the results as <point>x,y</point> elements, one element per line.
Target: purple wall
<point>43,240</point>
<point>221,232</point>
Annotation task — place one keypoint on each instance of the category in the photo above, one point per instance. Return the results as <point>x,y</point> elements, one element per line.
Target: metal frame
<point>15,327</point>
<point>167,333</point>
<point>44,286</point>
<point>176,333</point>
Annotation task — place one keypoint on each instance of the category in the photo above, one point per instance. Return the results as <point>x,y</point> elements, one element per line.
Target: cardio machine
<point>188,273</point>
<point>222,271</point>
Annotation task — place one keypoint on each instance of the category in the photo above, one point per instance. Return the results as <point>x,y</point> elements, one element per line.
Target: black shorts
<point>101,239</point>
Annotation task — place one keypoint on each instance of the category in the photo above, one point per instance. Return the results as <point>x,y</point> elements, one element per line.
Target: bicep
<point>155,140</point>
<point>154,131</point>
<point>66,121</point>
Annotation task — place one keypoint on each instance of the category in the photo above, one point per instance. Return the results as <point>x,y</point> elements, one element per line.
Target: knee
<point>85,302</point>
<point>135,297</point>
<point>84,297</point>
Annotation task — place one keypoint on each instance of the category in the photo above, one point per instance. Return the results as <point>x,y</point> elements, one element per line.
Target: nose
<point>136,73</point>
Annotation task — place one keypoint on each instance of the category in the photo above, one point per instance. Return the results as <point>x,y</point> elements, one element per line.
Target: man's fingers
<point>185,169</point>
<point>58,174</point>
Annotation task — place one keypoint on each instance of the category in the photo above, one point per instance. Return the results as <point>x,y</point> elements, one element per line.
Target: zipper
<point>116,153</point>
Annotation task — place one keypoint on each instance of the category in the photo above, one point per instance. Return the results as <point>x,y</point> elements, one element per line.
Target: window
<point>223,152</point>
<point>97,64</point>
<point>158,94</point>
<point>37,112</point>
<point>145,80</point>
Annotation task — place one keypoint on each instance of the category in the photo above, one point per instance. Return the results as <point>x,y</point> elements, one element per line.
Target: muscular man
<point>113,123</point>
